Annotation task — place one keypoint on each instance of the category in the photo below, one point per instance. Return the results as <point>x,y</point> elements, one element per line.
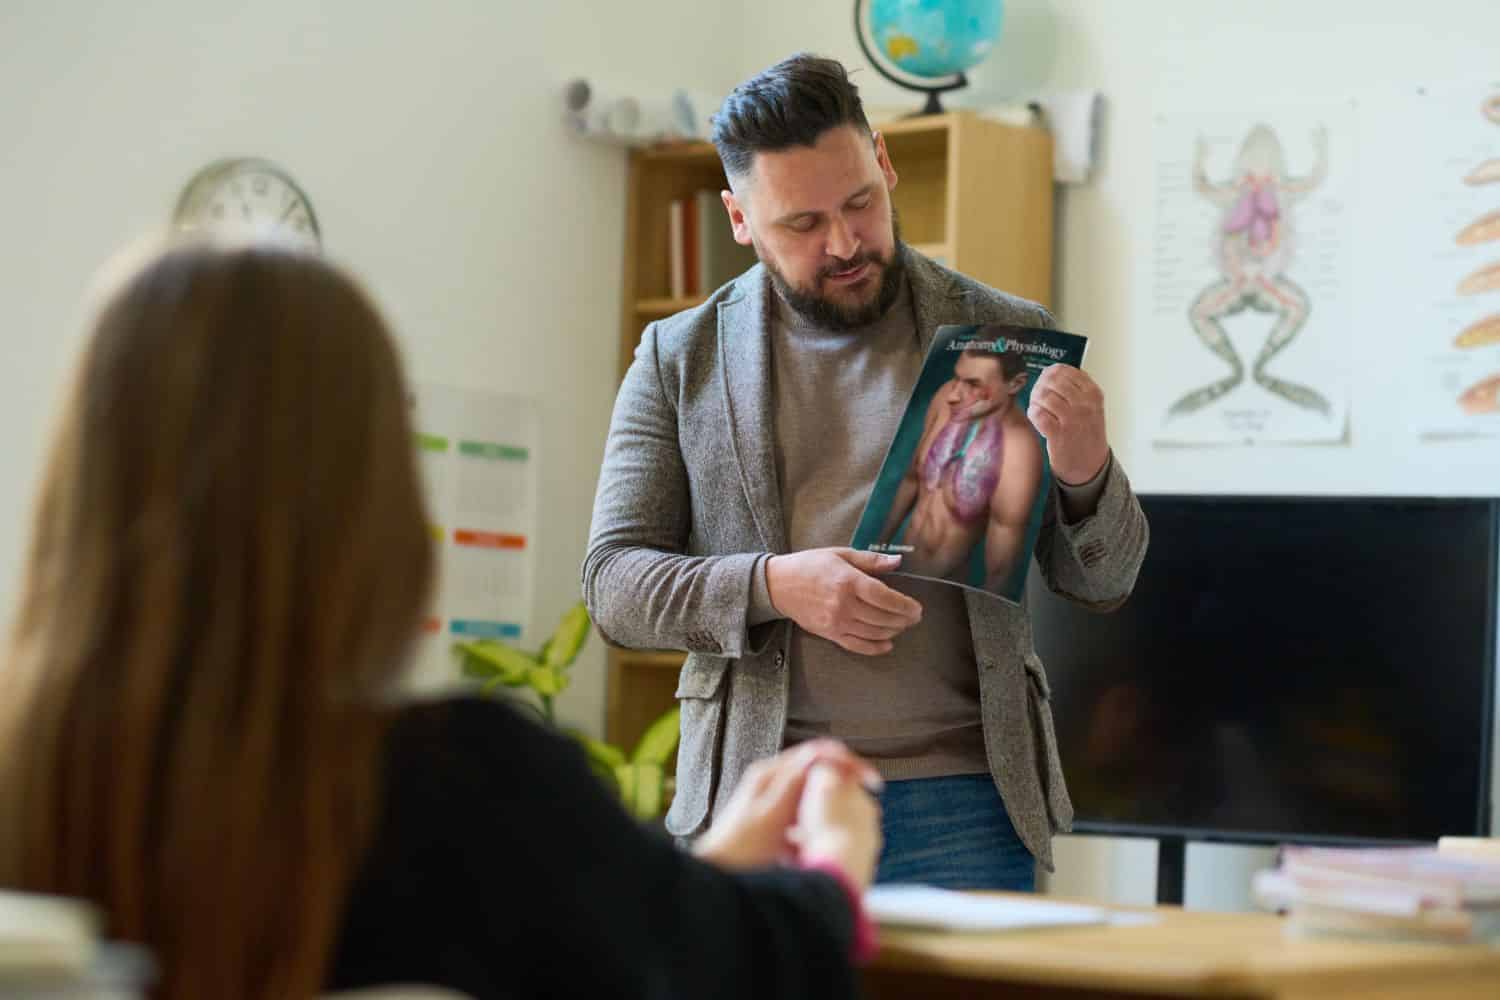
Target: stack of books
<point>701,251</point>
<point>1387,893</point>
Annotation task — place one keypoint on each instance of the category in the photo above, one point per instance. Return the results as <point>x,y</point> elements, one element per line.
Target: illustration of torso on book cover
<point>959,495</point>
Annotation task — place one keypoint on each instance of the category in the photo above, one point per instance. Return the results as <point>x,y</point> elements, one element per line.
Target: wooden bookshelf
<point>974,194</point>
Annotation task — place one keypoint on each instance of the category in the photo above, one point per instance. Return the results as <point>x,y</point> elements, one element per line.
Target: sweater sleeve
<point>567,895</point>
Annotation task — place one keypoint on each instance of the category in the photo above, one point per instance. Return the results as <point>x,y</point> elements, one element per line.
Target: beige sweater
<point>838,400</point>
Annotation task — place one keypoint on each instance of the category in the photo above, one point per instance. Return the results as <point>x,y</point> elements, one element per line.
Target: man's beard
<point>828,314</point>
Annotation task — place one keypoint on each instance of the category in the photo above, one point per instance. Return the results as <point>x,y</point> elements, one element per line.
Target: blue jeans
<point>952,833</point>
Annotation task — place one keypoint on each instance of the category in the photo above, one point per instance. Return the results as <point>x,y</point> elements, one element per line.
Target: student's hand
<point>1067,408</point>
<point>839,821</point>
<point>833,593</point>
<point>754,827</point>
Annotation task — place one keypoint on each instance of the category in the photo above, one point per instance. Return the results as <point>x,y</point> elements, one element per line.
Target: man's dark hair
<point>790,104</point>
<point>1012,363</point>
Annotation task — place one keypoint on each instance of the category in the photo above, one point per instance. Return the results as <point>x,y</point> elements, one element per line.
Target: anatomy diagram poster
<point>477,453</point>
<point>1450,266</point>
<point>1251,291</point>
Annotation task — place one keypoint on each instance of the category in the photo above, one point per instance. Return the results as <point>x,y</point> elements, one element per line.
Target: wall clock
<point>247,197</point>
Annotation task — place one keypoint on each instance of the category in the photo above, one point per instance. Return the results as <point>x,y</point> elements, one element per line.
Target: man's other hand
<point>834,593</point>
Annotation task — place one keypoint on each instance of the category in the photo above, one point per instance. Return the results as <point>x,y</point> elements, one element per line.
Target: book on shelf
<point>676,276</point>
<point>702,253</point>
<point>1391,893</point>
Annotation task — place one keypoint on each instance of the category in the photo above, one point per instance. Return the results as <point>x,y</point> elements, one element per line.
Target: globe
<point>935,38</point>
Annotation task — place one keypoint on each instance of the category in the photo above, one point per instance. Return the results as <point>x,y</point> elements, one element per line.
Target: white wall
<point>429,139</point>
<point>1145,56</point>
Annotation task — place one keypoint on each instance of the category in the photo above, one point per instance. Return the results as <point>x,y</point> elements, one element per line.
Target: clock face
<point>248,198</point>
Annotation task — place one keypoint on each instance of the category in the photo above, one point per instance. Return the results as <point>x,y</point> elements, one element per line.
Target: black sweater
<point>503,868</point>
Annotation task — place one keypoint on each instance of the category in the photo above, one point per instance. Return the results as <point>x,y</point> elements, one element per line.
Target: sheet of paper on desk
<point>923,906</point>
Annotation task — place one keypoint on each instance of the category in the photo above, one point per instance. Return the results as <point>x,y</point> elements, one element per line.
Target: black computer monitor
<point>1287,669</point>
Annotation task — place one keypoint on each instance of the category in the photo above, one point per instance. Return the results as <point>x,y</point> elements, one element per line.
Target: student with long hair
<point>199,728</point>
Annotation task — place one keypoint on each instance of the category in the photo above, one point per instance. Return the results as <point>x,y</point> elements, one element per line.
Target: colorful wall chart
<point>1451,272</point>
<point>477,452</point>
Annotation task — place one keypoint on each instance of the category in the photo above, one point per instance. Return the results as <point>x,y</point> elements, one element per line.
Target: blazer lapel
<point>745,368</point>
<point>936,298</point>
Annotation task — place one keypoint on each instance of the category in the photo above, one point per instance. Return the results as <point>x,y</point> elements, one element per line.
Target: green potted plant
<point>639,778</point>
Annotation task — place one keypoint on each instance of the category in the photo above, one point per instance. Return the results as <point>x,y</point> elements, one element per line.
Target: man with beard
<point>974,475</point>
<point>745,440</point>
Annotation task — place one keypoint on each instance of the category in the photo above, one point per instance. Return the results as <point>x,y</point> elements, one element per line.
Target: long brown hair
<point>229,563</point>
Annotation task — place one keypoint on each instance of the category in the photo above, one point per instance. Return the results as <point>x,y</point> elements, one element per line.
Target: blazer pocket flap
<point>1038,674</point>
<point>701,677</point>
<point>699,693</point>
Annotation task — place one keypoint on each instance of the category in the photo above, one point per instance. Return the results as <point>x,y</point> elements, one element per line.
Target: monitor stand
<point>1171,863</point>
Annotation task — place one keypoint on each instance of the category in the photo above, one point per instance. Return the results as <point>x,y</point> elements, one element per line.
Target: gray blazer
<point>688,502</point>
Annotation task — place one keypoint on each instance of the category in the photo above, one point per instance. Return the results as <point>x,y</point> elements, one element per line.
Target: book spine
<point>693,277</point>
<point>709,215</point>
<point>676,269</point>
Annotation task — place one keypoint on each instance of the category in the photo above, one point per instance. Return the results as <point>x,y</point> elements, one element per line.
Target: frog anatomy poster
<point>1251,275</point>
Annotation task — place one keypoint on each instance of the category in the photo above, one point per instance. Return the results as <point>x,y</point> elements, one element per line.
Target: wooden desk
<point>1183,954</point>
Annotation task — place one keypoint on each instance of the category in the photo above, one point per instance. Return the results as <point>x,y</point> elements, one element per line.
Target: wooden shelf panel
<point>1008,169</point>
<point>680,152</point>
<point>918,125</point>
<point>940,252</point>
<point>921,193</point>
<point>654,660</point>
<point>915,128</point>
<point>642,685</point>
<point>911,131</point>
<point>666,306</point>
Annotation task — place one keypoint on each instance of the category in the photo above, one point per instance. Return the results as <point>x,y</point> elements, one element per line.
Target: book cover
<point>1445,926</point>
<point>962,489</point>
<point>1439,876</point>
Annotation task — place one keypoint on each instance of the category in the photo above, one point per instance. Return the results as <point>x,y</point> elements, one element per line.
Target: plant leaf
<point>625,779</point>
<point>606,774</point>
<point>659,742</point>
<point>525,705</point>
<point>562,649</point>
<point>473,666</point>
<point>597,750</point>
<point>546,681</point>
<point>649,781</point>
<point>506,662</point>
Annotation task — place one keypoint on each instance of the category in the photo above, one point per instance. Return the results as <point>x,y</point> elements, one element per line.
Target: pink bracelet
<point>864,945</point>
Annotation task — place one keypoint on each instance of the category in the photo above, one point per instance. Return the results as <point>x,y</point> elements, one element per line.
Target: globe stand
<point>932,106</point>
